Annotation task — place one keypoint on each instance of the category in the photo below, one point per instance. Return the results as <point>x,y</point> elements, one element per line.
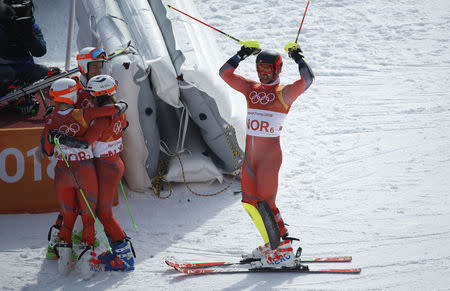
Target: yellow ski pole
<point>128,205</point>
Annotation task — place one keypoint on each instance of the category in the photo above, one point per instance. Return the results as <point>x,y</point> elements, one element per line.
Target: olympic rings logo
<point>117,127</point>
<point>261,97</point>
<point>70,130</point>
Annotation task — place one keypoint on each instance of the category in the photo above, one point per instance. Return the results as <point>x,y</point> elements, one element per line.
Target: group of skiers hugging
<point>84,133</point>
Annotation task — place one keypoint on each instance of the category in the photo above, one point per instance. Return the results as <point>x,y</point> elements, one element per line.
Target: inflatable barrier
<point>101,23</point>
<point>177,101</point>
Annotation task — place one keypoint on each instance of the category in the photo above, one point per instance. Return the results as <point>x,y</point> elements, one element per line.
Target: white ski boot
<point>65,263</point>
<point>265,249</point>
<point>283,256</point>
<point>88,263</point>
<point>53,239</point>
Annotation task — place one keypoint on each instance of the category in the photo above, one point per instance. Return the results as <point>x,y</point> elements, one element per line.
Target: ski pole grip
<point>290,45</point>
<point>251,43</point>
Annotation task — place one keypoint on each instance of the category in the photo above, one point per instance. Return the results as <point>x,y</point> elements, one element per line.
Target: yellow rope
<point>157,182</point>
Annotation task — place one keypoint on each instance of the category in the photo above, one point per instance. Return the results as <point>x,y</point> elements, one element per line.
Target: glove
<point>250,47</point>
<point>51,136</point>
<point>73,142</point>
<point>296,55</point>
<point>49,110</point>
<point>294,51</point>
<point>67,140</point>
<point>122,106</point>
<point>128,124</point>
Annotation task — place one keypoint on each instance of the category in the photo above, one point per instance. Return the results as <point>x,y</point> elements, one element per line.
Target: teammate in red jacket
<point>105,136</point>
<point>268,103</point>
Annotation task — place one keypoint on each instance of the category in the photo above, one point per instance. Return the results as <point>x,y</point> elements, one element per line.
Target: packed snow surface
<point>366,169</point>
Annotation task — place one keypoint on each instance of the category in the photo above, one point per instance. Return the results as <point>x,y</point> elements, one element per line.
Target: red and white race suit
<point>267,108</point>
<point>105,135</point>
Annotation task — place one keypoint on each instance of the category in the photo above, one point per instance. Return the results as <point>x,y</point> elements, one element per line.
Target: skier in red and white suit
<point>268,103</point>
<point>90,61</point>
<point>66,123</point>
<point>105,136</point>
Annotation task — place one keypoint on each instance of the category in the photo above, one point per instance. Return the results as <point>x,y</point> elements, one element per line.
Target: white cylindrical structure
<point>69,34</point>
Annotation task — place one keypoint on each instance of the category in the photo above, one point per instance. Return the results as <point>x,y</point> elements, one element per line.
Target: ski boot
<point>88,263</point>
<point>106,256</point>
<point>283,256</point>
<point>63,253</point>
<point>53,239</point>
<point>121,258</point>
<point>258,253</point>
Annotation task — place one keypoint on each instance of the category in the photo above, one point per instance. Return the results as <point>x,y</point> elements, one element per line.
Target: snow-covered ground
<point>366,168</point>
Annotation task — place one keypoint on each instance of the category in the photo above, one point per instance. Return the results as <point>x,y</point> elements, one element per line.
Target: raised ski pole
<point>128,205</point>
<point>56,140</point>
<point>245,43</point>
<point>303,19</point>
<point>293,44</point>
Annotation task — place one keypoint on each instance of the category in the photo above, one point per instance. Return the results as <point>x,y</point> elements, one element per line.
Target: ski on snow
<point>223,267</point>
<point>298,269</point>
<point>189,265</point>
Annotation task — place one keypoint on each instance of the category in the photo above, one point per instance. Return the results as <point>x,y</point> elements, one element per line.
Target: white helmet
<point>90,54</point>
<point>65,90</point>
<point>102,85</point>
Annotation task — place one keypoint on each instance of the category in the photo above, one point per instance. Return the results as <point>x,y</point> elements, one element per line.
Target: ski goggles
<point>264,68</point>
<point>60,96</point>
<point>98,53</point>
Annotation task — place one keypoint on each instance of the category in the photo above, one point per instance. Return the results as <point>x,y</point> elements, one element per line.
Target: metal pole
<point>226,34</point>
<point>303,19</point>
<point>69,34</point>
